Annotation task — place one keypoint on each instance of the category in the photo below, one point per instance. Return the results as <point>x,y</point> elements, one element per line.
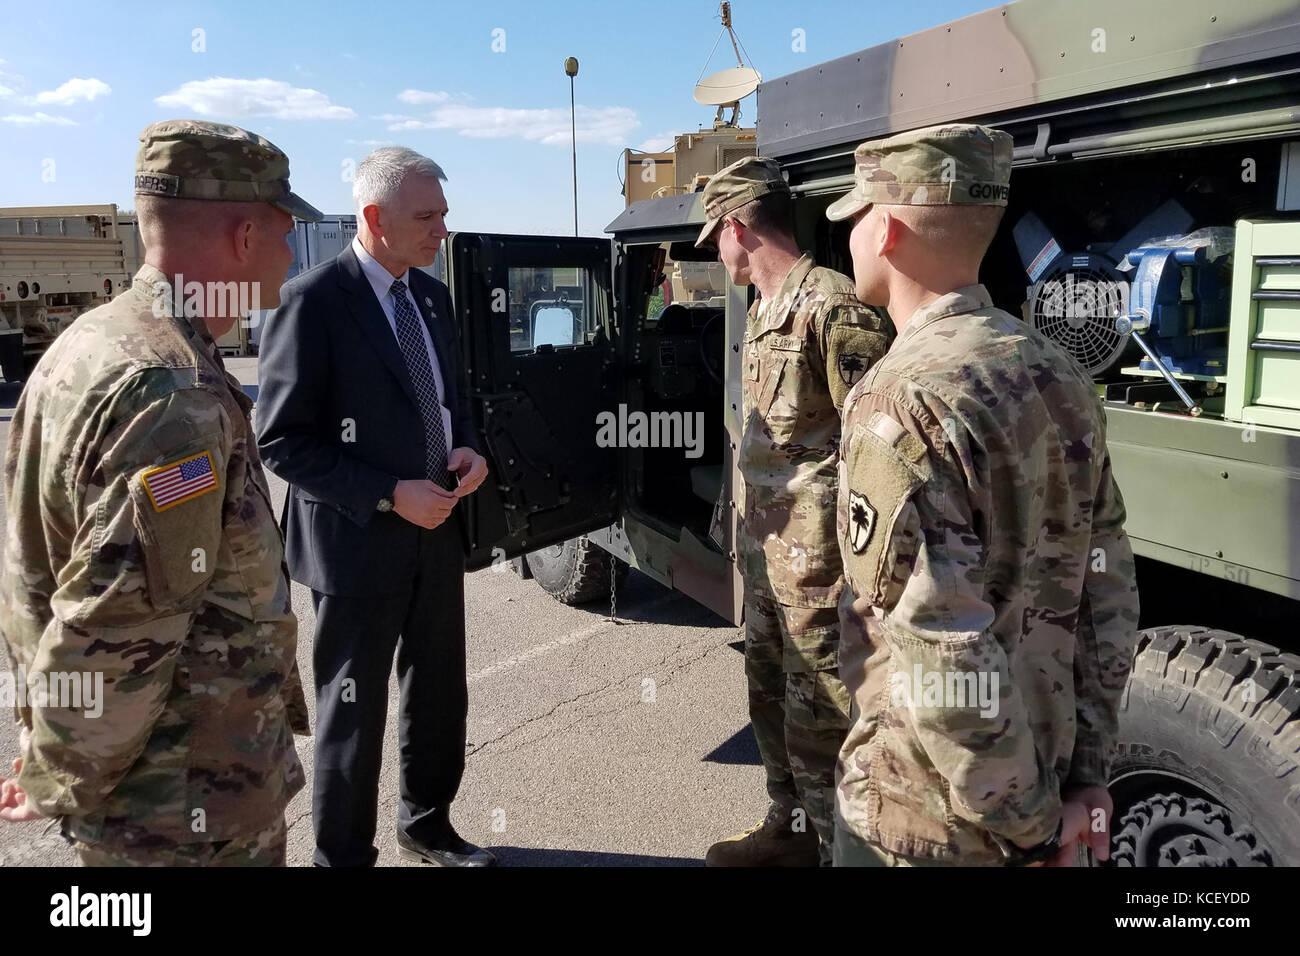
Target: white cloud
<point>225,97</point>
<point>658,143</point>
<point>73,91</point>
<point>10,83</point>
<point>36,119</point>
<point>608,124</point>
<point>423,97</point>
<point>393,117</point>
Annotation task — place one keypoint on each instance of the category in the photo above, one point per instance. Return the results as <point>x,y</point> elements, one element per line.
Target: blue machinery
<point>1177,299</point>
<point>1158,288</point>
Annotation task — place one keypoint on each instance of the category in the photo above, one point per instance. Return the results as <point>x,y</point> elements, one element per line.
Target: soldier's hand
<point>1098,808</point>
<point>13,801</point>
<point>469,466</point>
<point>1075,822</point>
<point>422,502</point>
<point>24,738</point>
<point>17,810</point>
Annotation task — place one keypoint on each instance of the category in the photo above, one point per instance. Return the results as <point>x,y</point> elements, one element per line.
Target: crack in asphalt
<point>392,790</point>
<point>595,692</point>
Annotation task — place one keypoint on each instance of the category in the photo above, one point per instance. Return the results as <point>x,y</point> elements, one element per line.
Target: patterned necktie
<point>426,387</point>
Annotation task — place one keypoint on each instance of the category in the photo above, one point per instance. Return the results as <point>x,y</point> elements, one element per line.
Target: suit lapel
<point>368,314</point>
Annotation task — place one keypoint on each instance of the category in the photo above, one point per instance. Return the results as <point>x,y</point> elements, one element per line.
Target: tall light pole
<point>571,69</point>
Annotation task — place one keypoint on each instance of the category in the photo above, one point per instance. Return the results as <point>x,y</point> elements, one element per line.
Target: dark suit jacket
<point>329,355</point>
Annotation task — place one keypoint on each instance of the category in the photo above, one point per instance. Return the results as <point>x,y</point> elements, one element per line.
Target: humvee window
<point>550,306</point>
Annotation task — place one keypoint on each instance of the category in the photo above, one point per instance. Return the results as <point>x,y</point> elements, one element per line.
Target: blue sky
<point>478,86</point>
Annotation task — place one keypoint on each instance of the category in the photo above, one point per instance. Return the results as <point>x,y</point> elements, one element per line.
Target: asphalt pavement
<point>592,742</point>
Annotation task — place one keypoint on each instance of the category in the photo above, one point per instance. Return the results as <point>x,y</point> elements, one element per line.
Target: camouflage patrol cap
<point>194,159</point>
<point>936,166</point>
<point>736,185</point>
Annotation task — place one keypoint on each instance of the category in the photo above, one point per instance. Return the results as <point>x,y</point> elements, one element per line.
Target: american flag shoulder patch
<point>171,484</point>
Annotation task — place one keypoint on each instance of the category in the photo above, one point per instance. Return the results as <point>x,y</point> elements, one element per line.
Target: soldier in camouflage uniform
<point>141,546</point>
<point>990,614</point>
<point>807,341</point>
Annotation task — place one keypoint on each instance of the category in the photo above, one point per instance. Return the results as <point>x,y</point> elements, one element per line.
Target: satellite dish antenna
<point>727,87</point>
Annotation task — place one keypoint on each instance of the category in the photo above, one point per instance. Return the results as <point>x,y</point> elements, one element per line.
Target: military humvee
<point>1153,230</point>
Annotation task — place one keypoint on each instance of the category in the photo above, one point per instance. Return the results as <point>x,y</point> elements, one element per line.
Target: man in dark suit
<point>364,411</point>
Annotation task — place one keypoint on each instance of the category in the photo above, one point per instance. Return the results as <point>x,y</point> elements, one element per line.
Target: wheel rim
<point>1176,830</point>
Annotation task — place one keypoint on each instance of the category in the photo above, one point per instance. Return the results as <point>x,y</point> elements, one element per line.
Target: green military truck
<point>1153,230</point>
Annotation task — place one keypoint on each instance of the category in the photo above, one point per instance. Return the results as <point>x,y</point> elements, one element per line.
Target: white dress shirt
<point>381,280</point>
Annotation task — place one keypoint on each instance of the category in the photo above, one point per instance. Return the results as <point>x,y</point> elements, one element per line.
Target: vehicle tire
<point>1207,771</point>
<point>27,365</point>
<point>577,571</point>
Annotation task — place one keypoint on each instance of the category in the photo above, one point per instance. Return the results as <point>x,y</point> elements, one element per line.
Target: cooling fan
<point>1076,303</point>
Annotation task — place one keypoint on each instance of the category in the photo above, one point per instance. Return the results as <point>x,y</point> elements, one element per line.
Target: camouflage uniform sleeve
<point>852,338</point>
<point>137,571</point>
<point>1107,635</point>
<point>919,556</point>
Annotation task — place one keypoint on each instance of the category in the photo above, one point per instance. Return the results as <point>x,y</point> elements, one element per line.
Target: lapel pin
<point>428,302</point>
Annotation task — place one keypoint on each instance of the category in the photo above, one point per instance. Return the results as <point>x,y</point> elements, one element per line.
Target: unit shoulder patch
<point>852,366</point>
<point>862,521</point>
<point>851,350</point>
<point>881,477</point>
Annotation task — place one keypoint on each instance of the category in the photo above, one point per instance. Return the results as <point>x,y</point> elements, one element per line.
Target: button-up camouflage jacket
<point>990,613</point>
<point>804,350</point>
<point>142,556</point>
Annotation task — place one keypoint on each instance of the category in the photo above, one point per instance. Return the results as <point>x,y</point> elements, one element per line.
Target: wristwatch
<point>386,502</point>
<point>1037,854</point>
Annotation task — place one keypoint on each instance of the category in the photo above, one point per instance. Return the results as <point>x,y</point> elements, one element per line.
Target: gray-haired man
<point>364,410</point>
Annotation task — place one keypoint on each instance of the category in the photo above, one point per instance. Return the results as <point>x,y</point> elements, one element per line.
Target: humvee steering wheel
<point>710,359</point>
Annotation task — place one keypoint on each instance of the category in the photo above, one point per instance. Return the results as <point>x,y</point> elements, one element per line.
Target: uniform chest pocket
<point>761,375</point>
<point>778,366</point>
<point>771,372</point>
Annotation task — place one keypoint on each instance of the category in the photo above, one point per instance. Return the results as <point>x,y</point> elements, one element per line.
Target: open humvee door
<point>535,316</point>
<point>679,511</point>
<point>546,355</point>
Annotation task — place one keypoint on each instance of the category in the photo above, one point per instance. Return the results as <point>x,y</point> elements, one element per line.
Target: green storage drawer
<point>1264,340</point>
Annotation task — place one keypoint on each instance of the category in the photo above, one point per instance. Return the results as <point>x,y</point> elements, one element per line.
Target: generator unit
<point>1154,302</point>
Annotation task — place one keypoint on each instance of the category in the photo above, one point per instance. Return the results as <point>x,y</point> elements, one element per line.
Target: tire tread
<point>588,580</point>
